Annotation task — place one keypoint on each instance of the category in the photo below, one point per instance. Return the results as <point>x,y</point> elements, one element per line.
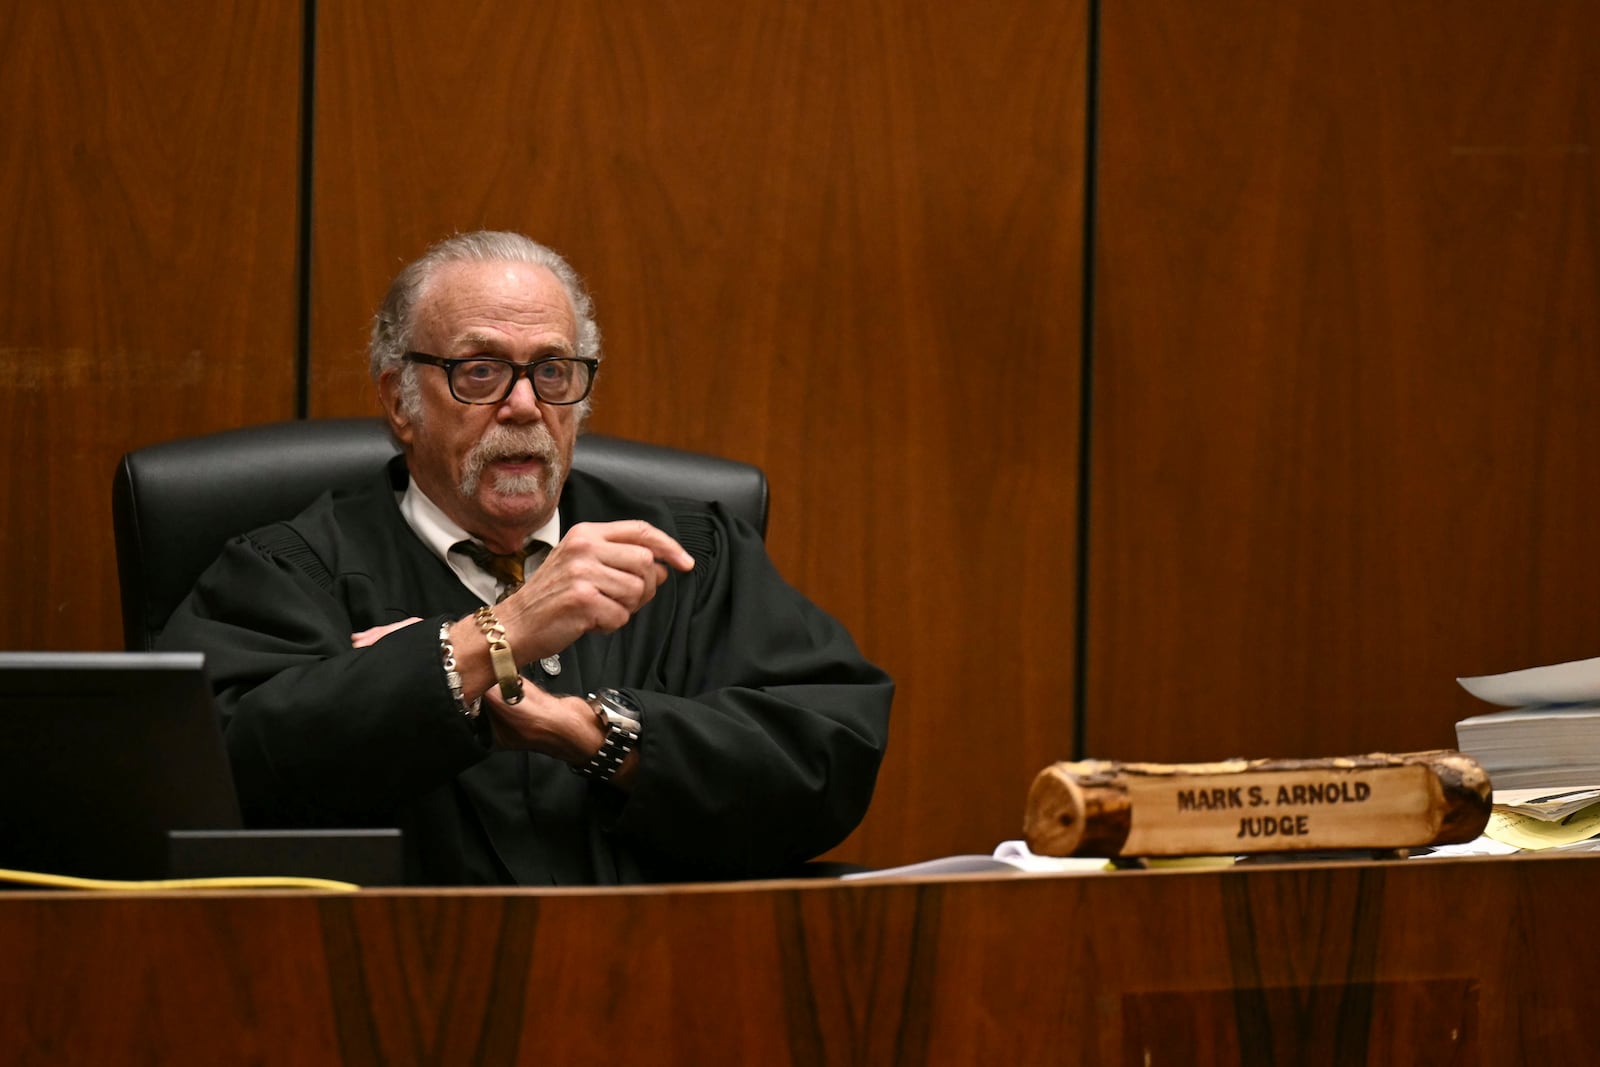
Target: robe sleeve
<point>766,752</point>
<point>319,733</point>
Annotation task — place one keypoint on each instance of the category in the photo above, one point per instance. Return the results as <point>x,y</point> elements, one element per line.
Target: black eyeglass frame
<point>518,370</point>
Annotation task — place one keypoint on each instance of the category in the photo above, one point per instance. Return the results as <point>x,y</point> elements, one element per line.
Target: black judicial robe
<point>763,727</point>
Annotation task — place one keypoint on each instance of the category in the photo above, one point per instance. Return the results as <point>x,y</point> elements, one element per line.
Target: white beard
<point>522,484</point>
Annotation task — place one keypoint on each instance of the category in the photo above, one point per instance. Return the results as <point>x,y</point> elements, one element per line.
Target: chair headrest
<point>175,504</point>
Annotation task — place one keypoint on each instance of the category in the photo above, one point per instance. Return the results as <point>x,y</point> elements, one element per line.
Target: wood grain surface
<point>1307,964</point>
<point>148,170</point>
<point>1344,352</point>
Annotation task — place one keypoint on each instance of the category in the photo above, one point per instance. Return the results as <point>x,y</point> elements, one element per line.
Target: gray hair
<point>392,325</point>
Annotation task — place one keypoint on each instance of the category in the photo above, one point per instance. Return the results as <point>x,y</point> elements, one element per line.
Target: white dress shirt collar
<point>440,532</point>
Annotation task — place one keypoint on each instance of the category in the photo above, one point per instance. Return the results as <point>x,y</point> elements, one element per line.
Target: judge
<point>538,677</point>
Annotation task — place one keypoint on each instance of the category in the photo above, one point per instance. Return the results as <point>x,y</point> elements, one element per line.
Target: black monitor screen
<point>101,754</point>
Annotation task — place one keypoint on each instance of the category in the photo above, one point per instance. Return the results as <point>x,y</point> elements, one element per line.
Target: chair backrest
<point>176,504</point>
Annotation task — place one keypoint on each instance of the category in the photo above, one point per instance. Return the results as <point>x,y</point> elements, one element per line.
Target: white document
<point>1559,683</point>
<point>1010,857</point>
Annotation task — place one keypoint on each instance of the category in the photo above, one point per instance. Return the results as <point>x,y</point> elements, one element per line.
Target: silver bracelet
<point>452,677</point>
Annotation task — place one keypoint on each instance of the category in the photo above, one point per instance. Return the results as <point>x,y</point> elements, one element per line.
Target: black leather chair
<point>176,504</point>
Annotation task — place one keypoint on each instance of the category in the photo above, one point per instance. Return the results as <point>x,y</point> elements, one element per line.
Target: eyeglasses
<point>489,379</point>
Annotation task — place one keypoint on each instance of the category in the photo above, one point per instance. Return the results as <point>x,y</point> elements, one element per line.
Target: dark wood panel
<point>1345,369</point>
<point>843,245</point>
<point>1354,963</point>
<point>147,269</point>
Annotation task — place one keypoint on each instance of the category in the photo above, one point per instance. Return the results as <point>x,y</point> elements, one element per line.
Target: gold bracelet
<point>505,664</point>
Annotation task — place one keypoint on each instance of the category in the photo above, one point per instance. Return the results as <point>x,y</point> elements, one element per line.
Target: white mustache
<point>502,442</point>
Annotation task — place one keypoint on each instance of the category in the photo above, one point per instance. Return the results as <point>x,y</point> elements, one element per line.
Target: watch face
<point>618,697</point>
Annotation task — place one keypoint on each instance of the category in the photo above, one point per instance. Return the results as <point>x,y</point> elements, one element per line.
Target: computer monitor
<point>101,755</point>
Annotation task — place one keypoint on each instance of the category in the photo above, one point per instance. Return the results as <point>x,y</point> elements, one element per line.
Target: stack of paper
<point>1559,821</point>
<point>1549,738</point>
<point>1535,820</point>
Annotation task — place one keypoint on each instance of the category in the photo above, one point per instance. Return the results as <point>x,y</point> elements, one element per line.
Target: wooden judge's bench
<point>1464,961</point>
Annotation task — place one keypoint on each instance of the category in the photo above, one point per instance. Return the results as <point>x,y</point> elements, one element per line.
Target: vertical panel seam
<point>1080,688</point>
<point>308,108</point>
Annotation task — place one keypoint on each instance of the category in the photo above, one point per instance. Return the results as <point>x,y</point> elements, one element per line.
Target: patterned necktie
<point>508,570</point>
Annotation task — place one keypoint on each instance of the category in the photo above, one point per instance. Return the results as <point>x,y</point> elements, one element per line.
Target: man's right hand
<point>593,581</point>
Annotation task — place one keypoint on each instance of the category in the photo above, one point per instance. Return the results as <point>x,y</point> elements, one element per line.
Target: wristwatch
<point>618,716</point>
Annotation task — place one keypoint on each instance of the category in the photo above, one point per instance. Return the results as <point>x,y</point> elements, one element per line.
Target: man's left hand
<point>372,634</point>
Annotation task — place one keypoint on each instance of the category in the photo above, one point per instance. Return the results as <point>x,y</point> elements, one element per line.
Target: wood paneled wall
<point>1345,262</point>
<point>843,242</point>
<point>1346,329</point>
<point>148,176</point>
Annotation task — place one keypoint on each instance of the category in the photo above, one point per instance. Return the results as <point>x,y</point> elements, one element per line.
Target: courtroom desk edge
<point>797,884</point>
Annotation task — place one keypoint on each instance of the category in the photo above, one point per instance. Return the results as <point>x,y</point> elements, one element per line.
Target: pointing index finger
<point>666,550</point>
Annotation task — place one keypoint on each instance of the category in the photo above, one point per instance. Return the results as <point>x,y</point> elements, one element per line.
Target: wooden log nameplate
<point>1377,801</point>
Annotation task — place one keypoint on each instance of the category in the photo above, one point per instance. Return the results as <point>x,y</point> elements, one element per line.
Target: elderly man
<point>540,679</point>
